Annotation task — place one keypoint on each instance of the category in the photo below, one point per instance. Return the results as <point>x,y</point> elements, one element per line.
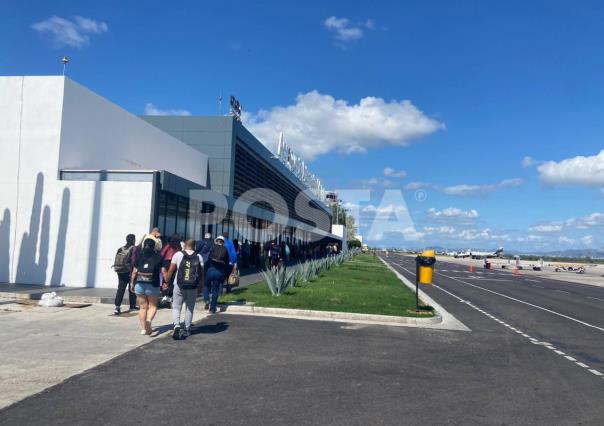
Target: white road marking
<point>537,286</point>
<point>527,303</point>
<point>530,339</point>
<point>562,291</point>
<point>533,281</point>
<point>595,298</point>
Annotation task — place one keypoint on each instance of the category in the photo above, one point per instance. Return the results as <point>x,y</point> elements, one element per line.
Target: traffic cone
<point>470,267</point>
<point>516,271</point>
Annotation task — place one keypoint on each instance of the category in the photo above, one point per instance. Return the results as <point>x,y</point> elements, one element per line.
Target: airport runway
<point>560,319</point>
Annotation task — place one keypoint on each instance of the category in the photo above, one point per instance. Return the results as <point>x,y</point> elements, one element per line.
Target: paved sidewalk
<point>44,346</point>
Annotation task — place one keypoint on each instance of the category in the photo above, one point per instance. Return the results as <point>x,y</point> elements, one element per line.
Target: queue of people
<point>179,272</point>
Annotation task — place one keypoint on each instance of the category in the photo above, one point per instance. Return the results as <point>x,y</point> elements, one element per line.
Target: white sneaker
<point>143,332</point>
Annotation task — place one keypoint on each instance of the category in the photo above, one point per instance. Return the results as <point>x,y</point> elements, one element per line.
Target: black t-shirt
<point>149,268</point>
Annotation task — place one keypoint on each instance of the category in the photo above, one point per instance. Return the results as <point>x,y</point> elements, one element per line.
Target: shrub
<point>279,280</point>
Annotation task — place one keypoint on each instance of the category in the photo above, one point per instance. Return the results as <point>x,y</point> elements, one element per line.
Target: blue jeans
<point>214,279</point>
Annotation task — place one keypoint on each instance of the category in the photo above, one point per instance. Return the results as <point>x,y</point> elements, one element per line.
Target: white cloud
<point>446,230</point>
<point>376,182</point>
<point>580,170</point>
<point>390,172</point>
<point>585,222</point>
<point>343,29</point>
<point>453,212</point>
<point>385,211</point>
<point>74,33</point>
<point>151,109</point>
<point>588,240</point>
<point>465,190</point>
<point>317,124</point>
<point>485,234</point>
<point>528,162</point>
<point>593,220</point>
<point>546,228</point>
<point>566,241</point>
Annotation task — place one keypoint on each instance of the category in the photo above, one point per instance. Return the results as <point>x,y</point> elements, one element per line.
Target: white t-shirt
<point>178,256</point>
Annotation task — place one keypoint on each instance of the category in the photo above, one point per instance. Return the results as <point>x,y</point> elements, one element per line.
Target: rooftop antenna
<point>220,103</point>
<point>65,61</point>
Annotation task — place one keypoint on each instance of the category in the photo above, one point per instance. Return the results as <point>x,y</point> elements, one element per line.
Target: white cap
<point>220,237</point>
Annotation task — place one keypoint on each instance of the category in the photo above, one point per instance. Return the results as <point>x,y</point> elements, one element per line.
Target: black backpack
<point>219,257</point>
<point>147,267</point>
<point>274,252</point>
<point>188,271</point>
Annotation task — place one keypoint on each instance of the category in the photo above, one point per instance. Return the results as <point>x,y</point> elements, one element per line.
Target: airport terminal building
<point>79,173</point>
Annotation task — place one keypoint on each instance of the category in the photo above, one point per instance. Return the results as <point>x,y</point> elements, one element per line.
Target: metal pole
<point>416,286</point>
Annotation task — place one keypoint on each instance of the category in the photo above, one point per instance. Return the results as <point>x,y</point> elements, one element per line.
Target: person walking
<point>204,248</point>
<point>154,235</point>
<point>123,268</point>
<point>219,262</point>
<point>145,283</point>
<point>232,266</point>
<point>274,254</point>
<point>188,266</point>
<point>167,252</point>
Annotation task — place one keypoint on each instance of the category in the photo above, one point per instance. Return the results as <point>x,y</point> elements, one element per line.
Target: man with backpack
<point>274,254</point>
<point>188,266</point>
<point>122,266</point>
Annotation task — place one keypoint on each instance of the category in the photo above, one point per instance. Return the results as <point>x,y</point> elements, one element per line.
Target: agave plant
<point>278,280</point>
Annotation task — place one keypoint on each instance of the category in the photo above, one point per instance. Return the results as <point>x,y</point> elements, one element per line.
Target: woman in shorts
<point>145,283</point>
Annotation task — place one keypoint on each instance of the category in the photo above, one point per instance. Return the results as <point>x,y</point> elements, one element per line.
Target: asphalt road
<point>568,316</point>
<point>252,370</point>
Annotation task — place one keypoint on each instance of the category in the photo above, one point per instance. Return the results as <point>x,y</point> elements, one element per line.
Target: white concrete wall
<point>57,232</point>
<point>340,231</point>
<point>97,134</point>
<point>30,119</point>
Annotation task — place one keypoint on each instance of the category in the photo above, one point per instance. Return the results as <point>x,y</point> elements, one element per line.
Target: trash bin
<point>425,264</point>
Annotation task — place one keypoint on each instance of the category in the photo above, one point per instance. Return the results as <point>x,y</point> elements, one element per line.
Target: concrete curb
<point>346,317</point>
<point>449,322</point>
<point>66,298</point>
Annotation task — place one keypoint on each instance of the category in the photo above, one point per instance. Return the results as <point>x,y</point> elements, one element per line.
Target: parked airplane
<point>479,254</point>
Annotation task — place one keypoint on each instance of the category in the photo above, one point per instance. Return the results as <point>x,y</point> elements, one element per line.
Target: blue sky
<point>451,96</point>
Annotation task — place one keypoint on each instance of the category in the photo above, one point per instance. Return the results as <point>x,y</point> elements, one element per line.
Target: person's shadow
<point>219,327</point>
<point>196,329</point>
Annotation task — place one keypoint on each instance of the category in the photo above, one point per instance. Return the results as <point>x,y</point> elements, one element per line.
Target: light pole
<point>65,61</point>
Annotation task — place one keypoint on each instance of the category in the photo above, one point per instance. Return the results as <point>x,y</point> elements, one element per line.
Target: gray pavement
<point>43,346</point>
<point>249,370</point>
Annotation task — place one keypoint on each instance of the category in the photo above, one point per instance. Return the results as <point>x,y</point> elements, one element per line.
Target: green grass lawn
<point>362,285</point>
